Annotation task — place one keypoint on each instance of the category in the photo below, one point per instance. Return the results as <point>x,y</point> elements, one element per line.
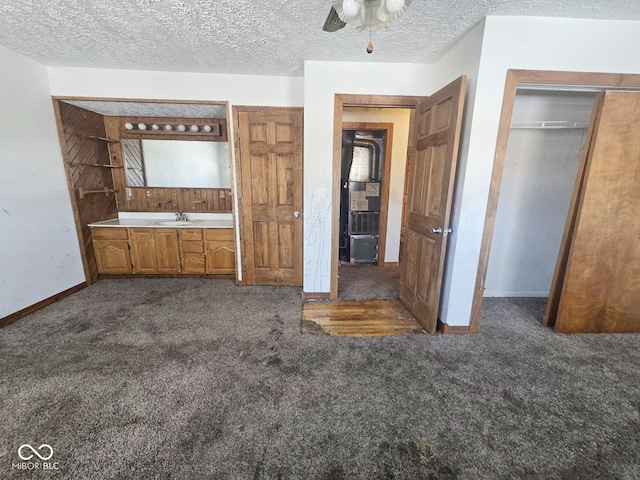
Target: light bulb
<point>128,126</point>
<point>394,5</point>
<point>194,128</point>
<point>155,127</point>
<point>370,47</point>
<point>207,128</point>
<point>168,127</point>
<point>142,126</point>
<point>182,128</point>
<point>350,8</point>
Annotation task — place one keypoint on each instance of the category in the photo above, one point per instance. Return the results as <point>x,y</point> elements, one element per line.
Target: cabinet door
<point>143,250</point>
<point>221,257</point>
<point>193,263</point>
<point>112,256</point>
<point>167,250</point>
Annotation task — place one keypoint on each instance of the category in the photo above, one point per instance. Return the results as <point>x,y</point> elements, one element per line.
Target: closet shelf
<point>550,125</point>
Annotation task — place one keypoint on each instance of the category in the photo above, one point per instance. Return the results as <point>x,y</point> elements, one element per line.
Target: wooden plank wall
<point>81,154</point>
<point>155,199</point>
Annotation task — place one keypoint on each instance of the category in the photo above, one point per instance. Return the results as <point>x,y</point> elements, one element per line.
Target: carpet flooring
<point>197,378</point>
<point>367,282</point>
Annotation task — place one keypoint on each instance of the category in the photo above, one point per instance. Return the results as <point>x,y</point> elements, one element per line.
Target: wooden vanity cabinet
<point>111,247</point>
<point>154,250</point>
<point>165,250</point>
<point>220,248</point>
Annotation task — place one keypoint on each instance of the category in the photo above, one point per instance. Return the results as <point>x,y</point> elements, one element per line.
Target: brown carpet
<point>198,378</point>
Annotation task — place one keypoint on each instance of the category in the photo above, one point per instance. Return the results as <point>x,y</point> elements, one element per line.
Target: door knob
<point>296,214</point>
<point>438,231</point>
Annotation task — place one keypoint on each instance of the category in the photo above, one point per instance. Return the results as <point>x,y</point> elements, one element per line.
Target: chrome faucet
<point>181,217</point>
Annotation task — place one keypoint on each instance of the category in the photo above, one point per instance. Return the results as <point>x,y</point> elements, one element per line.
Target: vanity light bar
<point>173,128</point>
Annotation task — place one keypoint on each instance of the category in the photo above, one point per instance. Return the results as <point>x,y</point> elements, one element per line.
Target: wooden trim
<point>72,197</point>
<point>9,319</point>
<point>238,169</point>
<point>379,101</point>
<point>386,177</point>
<point>515,77</point>
<point>315,295</point>
<point>233,172</point>
<point>353,100</point>
<point>390,264</point>
<point>140,100</point>
<point>447,329</point>
<point>338,107</point>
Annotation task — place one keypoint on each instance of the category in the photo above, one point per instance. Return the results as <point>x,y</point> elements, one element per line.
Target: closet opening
<point>525,215</point>
<point>546,141</point>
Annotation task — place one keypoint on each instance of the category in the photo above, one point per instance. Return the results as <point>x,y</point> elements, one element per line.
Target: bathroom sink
<point>176,223</point>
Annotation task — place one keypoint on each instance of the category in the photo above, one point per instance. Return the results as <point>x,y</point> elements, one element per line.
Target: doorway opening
<point>365,113</point>
<point>517,82</point>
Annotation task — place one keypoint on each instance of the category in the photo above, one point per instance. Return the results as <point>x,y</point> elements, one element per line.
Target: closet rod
<point>551,125</point>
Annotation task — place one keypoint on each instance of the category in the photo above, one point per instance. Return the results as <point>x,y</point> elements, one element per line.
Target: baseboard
<point>390,264</point>
<point>315,295</point>
<point>451,329</point>
<point>9,319</point>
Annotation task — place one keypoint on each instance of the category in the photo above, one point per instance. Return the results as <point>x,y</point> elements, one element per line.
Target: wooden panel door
<point>167,250</point>
<point>436,136</point>
<point>602,277</point>
<point>271,165</point>
<point>143,250</point>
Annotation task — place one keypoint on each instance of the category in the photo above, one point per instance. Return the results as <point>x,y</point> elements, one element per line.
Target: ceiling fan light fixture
<point>351,8</point>
<point>394,5</point>
<point>389,10</point>
<point>359,13</point>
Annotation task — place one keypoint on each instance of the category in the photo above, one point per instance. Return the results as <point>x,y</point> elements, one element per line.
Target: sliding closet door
<point>602,278</point>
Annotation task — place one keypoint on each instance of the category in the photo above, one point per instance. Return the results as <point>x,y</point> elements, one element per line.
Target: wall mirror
<point>176,163</point>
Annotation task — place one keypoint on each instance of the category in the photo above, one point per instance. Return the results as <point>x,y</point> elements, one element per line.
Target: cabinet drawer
<point>109,233</point>
<point>192,247</point>
<point>219,234</point>
<point>190,234</point>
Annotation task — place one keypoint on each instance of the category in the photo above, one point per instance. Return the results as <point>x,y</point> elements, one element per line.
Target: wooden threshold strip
<point>366,318</point>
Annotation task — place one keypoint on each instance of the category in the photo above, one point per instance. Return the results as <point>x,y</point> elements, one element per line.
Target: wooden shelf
<point>95,137</point>
<point>105,165</point>
<point>83,192</point>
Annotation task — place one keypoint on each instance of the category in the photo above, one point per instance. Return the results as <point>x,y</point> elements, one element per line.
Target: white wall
<point>527,43</point>
<point>462,59</point>
<point>400,118</point>
<point>254,90</point>
<point>322,80</point>
<point>39,252</point>
<point>537,184</point>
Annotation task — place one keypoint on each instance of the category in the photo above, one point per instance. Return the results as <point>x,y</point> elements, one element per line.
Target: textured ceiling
<point>251,36</point>
<point>149,109</point>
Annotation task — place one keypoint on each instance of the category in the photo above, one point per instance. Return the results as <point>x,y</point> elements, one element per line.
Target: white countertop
<point>162,223</point>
